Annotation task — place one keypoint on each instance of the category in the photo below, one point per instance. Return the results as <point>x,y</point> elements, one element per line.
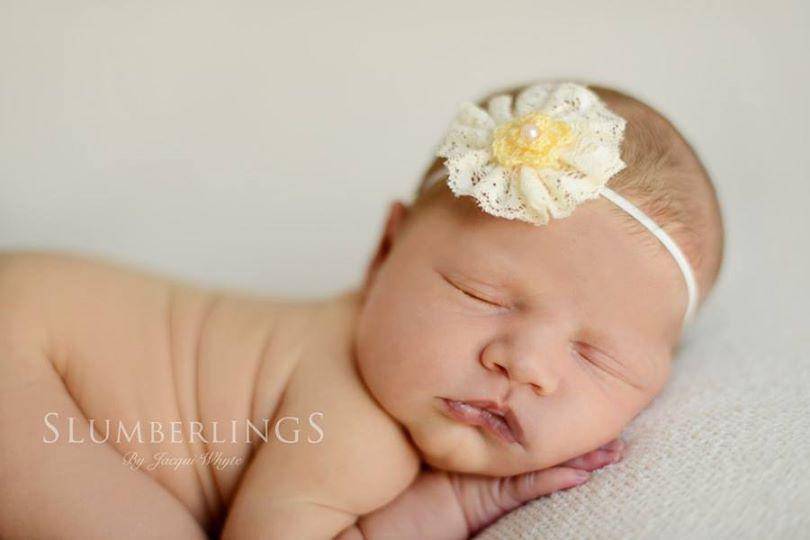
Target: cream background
<point>256,144</point>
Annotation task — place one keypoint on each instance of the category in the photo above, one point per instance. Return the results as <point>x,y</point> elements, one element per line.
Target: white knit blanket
<point>722,452</point>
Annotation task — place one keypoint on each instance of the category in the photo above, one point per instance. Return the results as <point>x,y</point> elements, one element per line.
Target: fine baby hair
<point>536,153</point>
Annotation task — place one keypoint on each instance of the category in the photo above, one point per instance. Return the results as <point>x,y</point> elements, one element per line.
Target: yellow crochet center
<point>511,147</point>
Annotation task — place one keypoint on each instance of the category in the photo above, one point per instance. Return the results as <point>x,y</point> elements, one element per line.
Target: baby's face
<point>572,325</point>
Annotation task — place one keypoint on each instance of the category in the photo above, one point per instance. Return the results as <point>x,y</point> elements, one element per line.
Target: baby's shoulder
<point>333,444</point>
<point>358,458</point>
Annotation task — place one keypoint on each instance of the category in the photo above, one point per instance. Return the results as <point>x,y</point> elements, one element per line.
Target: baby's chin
<point>465,449</point>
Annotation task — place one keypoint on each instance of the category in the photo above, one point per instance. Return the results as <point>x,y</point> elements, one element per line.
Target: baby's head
<point>572,325</point>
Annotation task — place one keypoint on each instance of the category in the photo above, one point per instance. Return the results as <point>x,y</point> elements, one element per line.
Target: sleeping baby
<point>513,320</point>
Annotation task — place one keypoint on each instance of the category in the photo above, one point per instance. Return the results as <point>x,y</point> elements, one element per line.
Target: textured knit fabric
<point>722,452</point>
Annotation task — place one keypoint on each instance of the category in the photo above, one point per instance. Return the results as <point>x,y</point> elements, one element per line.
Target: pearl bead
<point>529,131</point>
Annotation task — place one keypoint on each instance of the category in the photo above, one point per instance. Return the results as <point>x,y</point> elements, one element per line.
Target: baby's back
<point>165,370</point>
<point>183,385</point>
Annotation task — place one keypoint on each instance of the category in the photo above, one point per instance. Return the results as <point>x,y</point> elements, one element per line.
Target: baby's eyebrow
<point>492,257</point>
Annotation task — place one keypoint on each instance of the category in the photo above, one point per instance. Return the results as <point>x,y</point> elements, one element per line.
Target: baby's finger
<point>516,490</point>
<point>594,460</point>
<point>615,444</point>
<point>606,454</point>
<point>485,499</point>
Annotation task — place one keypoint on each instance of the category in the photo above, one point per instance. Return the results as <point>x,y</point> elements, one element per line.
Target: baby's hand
<point>441,505</point>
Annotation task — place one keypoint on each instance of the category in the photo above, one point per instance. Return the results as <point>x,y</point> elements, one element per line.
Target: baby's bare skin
<point>90,339</point>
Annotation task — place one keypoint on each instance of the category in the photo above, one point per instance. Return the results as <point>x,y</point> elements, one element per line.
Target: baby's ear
<point>397,215</point>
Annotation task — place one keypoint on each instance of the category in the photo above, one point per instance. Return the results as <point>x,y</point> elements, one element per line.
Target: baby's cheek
<point>412,343</point>
<point>391,358</point>
<point>448,446</point>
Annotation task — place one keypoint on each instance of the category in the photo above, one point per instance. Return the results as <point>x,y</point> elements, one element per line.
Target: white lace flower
<point>556,148</point>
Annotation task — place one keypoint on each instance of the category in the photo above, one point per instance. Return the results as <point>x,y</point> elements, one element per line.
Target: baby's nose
<point>541,381</point>
<point>540,378</point>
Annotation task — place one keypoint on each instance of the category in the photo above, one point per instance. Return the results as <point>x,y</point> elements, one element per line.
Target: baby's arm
<point>451,506</point>
<point>361,463</point>
<point>71,329</point>
<point>264,517</point>
<point>282,495</point>
<point>318,490</point>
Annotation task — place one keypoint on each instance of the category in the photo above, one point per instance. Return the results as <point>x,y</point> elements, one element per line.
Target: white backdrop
<point>256,145</point>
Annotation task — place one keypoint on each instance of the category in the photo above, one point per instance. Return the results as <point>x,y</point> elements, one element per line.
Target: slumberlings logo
<point>286,430</point>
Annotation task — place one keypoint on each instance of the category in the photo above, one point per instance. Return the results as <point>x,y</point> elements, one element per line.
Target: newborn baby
<point>500,339</point>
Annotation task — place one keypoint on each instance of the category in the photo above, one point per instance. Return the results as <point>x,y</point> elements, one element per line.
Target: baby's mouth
<point>503,425</point>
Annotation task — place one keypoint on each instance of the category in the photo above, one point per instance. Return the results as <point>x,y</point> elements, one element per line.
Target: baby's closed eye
<point>474,293</point>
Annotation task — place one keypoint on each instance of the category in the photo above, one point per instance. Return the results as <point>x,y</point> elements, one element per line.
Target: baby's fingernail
<point>618,444</point>
<point>577,478</point>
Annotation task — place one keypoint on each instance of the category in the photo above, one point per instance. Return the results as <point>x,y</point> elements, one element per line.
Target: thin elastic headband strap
<point>669,243</point>
<point>649,224</point>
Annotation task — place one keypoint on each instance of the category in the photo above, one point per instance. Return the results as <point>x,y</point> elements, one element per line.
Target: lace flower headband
<point>554,149</point>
